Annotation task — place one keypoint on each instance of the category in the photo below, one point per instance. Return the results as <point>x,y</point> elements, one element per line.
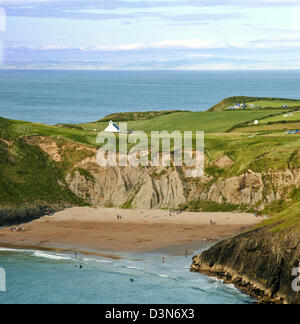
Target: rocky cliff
<point>259,262</point>
<point>148,188</point>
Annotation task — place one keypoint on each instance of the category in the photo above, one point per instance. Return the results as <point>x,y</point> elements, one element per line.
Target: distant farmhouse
<point>238,106</point>
<point>112,128</point>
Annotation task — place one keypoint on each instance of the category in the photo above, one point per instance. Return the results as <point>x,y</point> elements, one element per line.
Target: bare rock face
<point>46,144</point>
<point>223,162</point>
<point>131,186</point>
<point>148,188</point>
<point>255,190</point>
<point>245,189</point>
<point>151,188</point>
<point>167,188</point>
<point>257,262</point>
<point>166,192</point>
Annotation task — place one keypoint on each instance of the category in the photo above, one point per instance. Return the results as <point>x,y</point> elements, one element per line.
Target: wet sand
<point>98,230</point>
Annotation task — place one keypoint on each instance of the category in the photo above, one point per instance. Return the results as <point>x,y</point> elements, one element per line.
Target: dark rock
<point>259,262</point>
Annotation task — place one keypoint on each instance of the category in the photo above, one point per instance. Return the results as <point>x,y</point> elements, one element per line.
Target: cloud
<point>290,41</point>
<point>192,18</point>
<point>189,44</point>
<point>285,42</point>
<point>138,4</point>
<point>106,9</point>
<point>69,13</point>
<point>168,54</point>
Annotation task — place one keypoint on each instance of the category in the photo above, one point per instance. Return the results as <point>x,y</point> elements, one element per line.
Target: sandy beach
<point>99,230</point>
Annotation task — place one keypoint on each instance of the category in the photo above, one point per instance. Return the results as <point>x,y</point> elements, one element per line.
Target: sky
<point>150,34</point>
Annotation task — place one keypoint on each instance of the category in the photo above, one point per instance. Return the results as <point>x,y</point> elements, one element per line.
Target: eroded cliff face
<point>258,262</point>
<point>168,188</point>
<point>128,186</point>
<point>256,190</point>
<point>147,188</point>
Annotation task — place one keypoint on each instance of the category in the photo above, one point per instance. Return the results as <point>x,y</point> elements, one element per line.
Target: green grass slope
<point>265,103</point>
<point>135,116</point>
<point>217,122</point>
<point>29,177</point>
<point>13,130</point>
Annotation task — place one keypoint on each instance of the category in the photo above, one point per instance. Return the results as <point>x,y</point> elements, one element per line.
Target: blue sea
<point>35,277</point>
<point>54,97</point>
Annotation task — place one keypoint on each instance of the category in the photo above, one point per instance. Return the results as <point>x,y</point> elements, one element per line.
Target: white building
<point>256,122</point>
<point>112,128</point>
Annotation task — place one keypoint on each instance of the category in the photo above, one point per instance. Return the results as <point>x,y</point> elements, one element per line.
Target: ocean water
<point>54,97</point>
<point>44,277</point>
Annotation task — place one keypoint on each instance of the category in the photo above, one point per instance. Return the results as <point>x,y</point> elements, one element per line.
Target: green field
<point>216,122</point>
<point>283,118</point>
<point>265,129</point>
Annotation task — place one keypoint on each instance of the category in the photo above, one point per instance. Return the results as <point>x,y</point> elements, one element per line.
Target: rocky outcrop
<point>133,187</point>
<point>258,262</point>
<point>46,144</point>
<point>223,162</point>
<point>13,216</point>
<point>256,190</point>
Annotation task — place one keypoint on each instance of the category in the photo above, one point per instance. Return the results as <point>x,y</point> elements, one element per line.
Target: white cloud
<point>289,41</point>
<point>154,3</point>
<point>194,54</point>
<point>2,20</point>
<point>167,44</point>
<point>192,44</point>
<point>296,19</point>
<point>286,41</point>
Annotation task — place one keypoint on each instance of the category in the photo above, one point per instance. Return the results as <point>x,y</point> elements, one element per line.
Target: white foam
<point>11,250</point>
<point>96,260</point>
<point>231,286</point>
<point>167,276</point>
<point>216,280</point>
<point>51,256</point>
<point>135,268</point>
